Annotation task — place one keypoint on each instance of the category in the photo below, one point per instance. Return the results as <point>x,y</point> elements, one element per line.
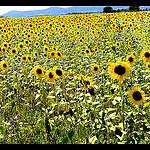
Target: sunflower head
<point>50,75</point>
<point>18,58</point>
<point>37,44</point>
<point>35,54</point>
<point>80,77</point>
<point>24,57</point>
<point>145,55</point>
<point>95,48</point>
<point>58,55</point>
<point>95,68</point>
<point>133,53</point>
<point>29,58</point>
<point>130,59</point>
<point>5,44</point>
<point>148,65</point>
<point>4,65</point>
<point>3,50</point>
<point>86,82</point>
<point>21,45</point>
<point>136,96</point>
<point>117,44</point>
<point>52,53</point>
<point>70,74</point>
<point>38,71</point>
<point>119,70</point>
<point>87,51</point>
<point>46,49</point>
<point>59,72</point>
<point>90,89</point>
<point>14,51</point>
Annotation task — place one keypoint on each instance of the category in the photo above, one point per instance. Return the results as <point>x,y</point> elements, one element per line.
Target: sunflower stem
<point>138,116</point>
<point>122,104</point>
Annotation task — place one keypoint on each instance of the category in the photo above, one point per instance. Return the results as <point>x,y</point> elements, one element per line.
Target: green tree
<point>134,8</point>
<point>108,9</point>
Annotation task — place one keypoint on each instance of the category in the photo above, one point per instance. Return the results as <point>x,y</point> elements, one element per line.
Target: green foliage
<point>34,111</point>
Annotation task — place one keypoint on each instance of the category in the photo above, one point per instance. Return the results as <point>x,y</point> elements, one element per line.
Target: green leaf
<point>111,109</point>
<point>146,105</point>
<point>65,140</point>
<point>51,97</point>
<point>118,132</point>
<point>37,96</point>
<point>92,140</point>
<point>114,102</point>
<point>38,103</point>
<point>113,115</point>
<point>118,98</point>
<point>70,134</point>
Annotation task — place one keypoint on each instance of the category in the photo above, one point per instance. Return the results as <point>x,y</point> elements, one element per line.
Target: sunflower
<point>37,44</point>
<point>26,42</point>
<point>24,57</point>
<point>54,48</point>
<point>81,77</point>
<point>1,27</point>
<point>46,49</point>
<point>4,65</point>
<point>21,45</point>
<point>69,37</point>
<point>148,65</point>
<point>95,68</point>
<point>61,32</point>
<point>28,36</point>
<point>52,53</point>
<point>77,33</point>
<point>117,44</point>
<point>59,72</point>
<point>95,48</point>
<point>53,42</point>
<point>38,71</point>
<point>80,40</point>
<point>18,58</point>
<point>45,54</point>
<point>5,44</point>
<point>58,55</point>
<point>14,51</point>
<point>30,49</point>
<point>119,70</point>
<point>44,41</point>
<point>90,89</point>
<point>136,96</point>
<point>3,49</point>
<point>50,75</point>
<point>131,59</point>
<point>145,54</point>
<point>29,58</point>
<point>35,54</point>
<point>133,53</point>
<point>85,82</point>
<point>70,74</point>
<point>53,33</point>
<point>87,51</point>
<point>129,43</point>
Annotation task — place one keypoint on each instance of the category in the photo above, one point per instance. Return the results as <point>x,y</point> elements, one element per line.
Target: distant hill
<point>60,11</point>
<point>53,11</point>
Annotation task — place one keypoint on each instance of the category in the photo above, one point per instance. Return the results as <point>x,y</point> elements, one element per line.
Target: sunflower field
<point>75,79</point>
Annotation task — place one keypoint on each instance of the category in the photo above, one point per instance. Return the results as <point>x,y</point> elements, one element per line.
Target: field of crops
<point>75,79</point>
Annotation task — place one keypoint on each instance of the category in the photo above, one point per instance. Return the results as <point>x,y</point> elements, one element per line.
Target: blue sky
<point>5,9</point>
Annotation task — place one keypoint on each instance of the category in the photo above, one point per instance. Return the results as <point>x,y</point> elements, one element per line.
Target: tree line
<point>109,9</point>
